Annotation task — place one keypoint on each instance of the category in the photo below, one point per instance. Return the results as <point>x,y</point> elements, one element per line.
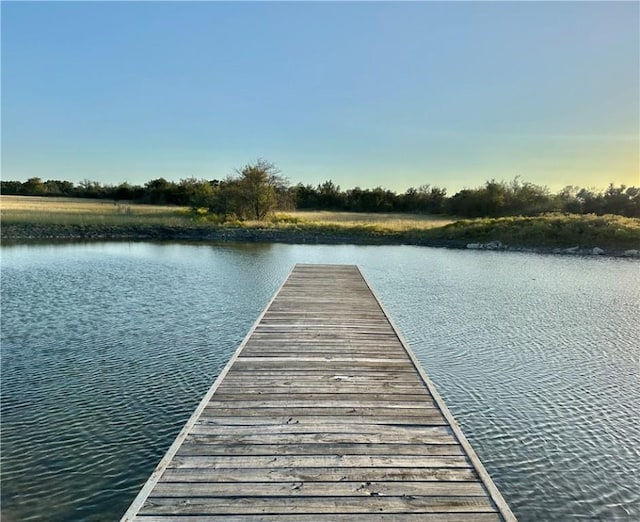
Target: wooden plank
<point>320,431</point>
<point>334,517</point>
<point>324,386</point>
<point>319,461</point>
<point>317,423</point>
<point>336,400</point>
<point>422,414</point>
<point>317,505</point>
<point>320,364</point>
<point>322,414</point>
<point>327,375</point>
<point>279,362</point>
<point>195,445</point>
<point>322,489</point>
<point>250,475</point>
<point>268,394</point>
<point>329,380</point>
<point>325,353</point>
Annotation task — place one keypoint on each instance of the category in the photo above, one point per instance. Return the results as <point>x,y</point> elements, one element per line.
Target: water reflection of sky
<point>107,348</point>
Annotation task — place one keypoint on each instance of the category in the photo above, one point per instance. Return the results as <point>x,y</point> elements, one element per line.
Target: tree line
<point>258,188</point>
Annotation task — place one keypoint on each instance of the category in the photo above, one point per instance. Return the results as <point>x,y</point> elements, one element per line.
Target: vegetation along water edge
<point>27,218</point>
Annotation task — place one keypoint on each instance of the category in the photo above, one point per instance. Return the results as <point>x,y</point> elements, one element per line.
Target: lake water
<point>107,349</point>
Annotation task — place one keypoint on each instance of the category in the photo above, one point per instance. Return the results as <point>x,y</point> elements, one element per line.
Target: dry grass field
<point>390,221</point>
<point>74,211</point>
<point>77,211</point>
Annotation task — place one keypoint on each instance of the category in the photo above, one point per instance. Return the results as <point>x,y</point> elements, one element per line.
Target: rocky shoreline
<point>20,232</point>
<point>575,250</point>
<point>26,233</point>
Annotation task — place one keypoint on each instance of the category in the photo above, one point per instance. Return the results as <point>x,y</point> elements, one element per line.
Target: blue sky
<point>363,93</point>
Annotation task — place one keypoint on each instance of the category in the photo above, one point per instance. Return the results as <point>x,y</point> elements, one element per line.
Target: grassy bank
<point>547,231</point>
<point>552,230</point>
<point>52,218</point>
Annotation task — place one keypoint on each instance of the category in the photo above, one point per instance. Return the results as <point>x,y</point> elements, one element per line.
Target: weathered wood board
<point>323,413</point>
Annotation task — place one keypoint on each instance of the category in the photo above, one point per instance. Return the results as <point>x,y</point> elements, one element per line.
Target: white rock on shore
<point>491,245</point>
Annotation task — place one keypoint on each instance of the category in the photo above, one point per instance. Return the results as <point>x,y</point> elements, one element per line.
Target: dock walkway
<point>323,413</point>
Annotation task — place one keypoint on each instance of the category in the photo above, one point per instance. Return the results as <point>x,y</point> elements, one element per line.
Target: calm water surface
<point>107,349</point>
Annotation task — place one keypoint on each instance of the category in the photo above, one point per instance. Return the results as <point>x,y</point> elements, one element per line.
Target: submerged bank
<point>506,234</point>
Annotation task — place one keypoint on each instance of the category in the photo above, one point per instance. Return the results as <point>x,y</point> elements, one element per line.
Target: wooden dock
<point>323,413</point>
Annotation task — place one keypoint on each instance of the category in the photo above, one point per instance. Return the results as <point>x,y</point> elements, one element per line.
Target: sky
<point>391,94</point>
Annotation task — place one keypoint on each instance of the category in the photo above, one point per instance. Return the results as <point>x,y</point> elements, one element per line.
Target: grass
<point>547,231</point>
<point>76,211</point>
<point>388,221</point>
<point>550,230</point>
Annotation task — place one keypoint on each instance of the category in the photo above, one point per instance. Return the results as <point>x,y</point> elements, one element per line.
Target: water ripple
<point>106,350</point>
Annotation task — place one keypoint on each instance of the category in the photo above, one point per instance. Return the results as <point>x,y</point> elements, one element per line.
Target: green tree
<point>56,187</point>
<point>305,196</point>
<point>256,190</point>
<point>34,187</point>
<point>160,191</point>
<point>330,196</point>
<point>206,194</point>
<point>93,189</point>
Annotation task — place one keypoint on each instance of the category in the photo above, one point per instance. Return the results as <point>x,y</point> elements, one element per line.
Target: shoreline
<point>15,233</point>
